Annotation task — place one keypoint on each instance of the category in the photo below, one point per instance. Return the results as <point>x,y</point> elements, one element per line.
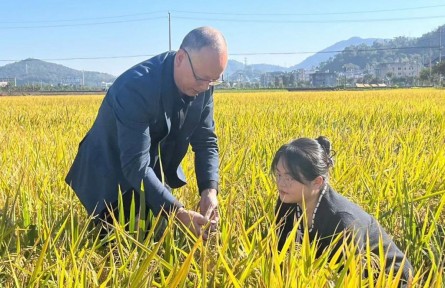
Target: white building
<point>406,69</point>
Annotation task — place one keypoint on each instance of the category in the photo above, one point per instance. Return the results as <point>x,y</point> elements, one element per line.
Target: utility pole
<point>440,44</point>
<point>440,53</point>
<point>169,33</point>
<point>430,64</point>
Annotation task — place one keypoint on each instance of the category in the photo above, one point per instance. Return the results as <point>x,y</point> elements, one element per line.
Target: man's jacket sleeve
<point>205,146</point>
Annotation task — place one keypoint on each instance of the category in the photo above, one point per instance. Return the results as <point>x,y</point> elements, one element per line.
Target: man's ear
<point>179,57</point>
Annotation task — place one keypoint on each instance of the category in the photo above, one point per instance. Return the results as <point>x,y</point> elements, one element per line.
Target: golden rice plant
<point>390,160</point>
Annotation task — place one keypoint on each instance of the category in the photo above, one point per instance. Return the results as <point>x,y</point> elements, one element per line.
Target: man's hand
<point>208,206</point>
<point>192,220</point>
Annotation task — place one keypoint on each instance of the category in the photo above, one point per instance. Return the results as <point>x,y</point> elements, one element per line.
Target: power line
<point>313,21</point>
<point>229,19</point>
<point>84,58</point>
<point>226,13</point>
<point>333,51</point>
<point>83,24</point>
<point>312,14</point>
<point>82,19</point>
<point>238,54</point>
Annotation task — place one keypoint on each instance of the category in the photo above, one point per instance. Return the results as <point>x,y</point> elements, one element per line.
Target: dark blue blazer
<point>121,150</point>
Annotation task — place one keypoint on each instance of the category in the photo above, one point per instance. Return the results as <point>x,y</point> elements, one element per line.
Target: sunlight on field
<point>390,159</point>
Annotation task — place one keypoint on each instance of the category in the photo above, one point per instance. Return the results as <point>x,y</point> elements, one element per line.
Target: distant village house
<point>406,69</point>
<point>323,79</point>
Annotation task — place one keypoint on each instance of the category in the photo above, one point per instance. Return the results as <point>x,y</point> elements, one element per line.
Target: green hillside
<point>38,72</point>
<point>400,49</point>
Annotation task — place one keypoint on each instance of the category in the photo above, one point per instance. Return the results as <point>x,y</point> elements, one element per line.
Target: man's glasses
<point>199,79</point>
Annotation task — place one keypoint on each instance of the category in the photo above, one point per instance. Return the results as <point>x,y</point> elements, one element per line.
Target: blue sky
<point>111,36</point>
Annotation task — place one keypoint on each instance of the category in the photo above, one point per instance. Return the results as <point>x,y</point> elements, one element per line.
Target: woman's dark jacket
<point>336,214</point>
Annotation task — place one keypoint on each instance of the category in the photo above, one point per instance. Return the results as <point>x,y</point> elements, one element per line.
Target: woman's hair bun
<point>326,145</point>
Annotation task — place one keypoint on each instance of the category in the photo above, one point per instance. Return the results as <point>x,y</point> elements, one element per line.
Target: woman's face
<point>291,191</point>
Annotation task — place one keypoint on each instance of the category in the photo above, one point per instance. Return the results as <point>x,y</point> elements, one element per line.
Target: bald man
<point>147,120</point>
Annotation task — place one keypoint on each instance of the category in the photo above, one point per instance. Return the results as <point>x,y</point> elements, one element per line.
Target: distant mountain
<point>34,71</point>
<point>237,71</point>
<point>322,56</point>
<point>399,49</point>
<point>268,68</point>
<point>416,50</point>
<point>234,68</point>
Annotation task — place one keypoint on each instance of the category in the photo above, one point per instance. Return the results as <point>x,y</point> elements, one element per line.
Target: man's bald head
<point>200,61</point>
<point>202,37</point>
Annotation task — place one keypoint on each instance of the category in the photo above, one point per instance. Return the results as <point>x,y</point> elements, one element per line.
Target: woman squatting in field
<point>301,170</point>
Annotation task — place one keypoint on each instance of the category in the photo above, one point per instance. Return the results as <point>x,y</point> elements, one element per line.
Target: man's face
<point>195,71</point>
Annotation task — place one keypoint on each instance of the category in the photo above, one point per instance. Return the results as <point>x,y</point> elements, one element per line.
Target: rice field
<point>390,159</point>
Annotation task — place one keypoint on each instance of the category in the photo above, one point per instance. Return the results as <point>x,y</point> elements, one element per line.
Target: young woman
<point>301,171</point>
